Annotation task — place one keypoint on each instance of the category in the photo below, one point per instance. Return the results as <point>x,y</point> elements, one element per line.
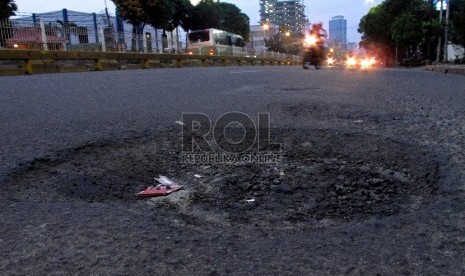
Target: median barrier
<point>41,62</point>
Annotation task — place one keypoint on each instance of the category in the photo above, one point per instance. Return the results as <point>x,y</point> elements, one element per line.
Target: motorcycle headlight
<point>366,63</point>
<point>310,40</point>
<point>351,61</point>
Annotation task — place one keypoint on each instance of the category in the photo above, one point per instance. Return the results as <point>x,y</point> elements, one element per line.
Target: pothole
<point>323,175</point>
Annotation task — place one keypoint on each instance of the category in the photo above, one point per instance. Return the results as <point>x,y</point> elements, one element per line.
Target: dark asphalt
<point>43,114</point>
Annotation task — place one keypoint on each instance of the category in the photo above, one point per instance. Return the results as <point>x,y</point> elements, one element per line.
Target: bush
<point>459,60</point>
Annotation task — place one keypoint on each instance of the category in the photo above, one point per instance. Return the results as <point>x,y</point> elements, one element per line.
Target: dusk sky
<point>317,10</point>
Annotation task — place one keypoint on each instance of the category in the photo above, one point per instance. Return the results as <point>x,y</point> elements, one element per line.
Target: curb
<point>447,69</point>
<point>38,62</point>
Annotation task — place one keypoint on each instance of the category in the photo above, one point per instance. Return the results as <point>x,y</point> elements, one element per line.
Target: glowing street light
<point>266,27</point>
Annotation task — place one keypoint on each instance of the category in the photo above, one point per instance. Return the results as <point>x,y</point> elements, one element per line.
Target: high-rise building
<point>338,30</point>
<point>266,10</point>
<point>289,14</point>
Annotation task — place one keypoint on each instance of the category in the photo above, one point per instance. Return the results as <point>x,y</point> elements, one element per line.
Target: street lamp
<point>266,27</point>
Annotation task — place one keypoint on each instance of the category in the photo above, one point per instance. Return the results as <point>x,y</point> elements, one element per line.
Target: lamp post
<point>266,27</point>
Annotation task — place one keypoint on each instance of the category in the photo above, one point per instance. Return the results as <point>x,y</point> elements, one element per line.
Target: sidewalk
<point>447,68</point>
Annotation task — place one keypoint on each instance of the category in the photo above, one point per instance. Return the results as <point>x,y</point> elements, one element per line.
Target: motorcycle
<point>313,52</point>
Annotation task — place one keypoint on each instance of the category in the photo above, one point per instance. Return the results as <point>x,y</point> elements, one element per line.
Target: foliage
<point>7,8</point>
<point>233,20</point>
<point>132,11</point>
<point>180,17</point>
<point>169,14</point>
<point>224,16</point>
<point>458,22</point>
<point>159,13</point>
<point>400,26</point>
<point>407,31</point>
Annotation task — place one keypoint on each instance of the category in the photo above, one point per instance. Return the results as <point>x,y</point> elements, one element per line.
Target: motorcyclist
<point>319,32</point>
<point>315,54</point>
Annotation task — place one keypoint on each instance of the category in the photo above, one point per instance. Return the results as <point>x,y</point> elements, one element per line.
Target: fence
<point>58,36</point>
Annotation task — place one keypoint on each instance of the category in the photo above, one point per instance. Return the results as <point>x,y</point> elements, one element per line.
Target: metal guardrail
<point>21,34</point>
<point>36,62</point>
<point>48,47</point>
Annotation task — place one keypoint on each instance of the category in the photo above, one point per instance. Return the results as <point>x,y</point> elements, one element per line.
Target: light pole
<point>266,27</point>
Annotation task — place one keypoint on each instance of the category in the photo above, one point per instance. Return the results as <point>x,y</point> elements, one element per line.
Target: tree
<point>7,9</point>
<point>376,35</point>
<point>406,24</point>
<point>161,14</point>
<point>375,26</point>
<point>407,33</point>
<point>224,16</point>
<point>133,12</point>
<point>234,21</point>
<point>458,22</point>
<point>205,15</point>
<point>182,10</point>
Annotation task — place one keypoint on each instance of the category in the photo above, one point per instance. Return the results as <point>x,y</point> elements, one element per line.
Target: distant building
<point>338,30</point>
<point>259,34</point>
<point>267,10</point>
<point>289,14</point>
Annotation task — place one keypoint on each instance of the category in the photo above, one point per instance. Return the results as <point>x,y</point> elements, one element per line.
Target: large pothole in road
<point>323,175</point>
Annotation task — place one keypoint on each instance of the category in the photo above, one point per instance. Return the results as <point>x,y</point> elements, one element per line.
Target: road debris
<point>166,187</point>
<point>180,123</point>
<point>164,180</point>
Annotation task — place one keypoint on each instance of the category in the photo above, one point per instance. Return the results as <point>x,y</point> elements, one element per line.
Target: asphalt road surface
<point>371,181</point>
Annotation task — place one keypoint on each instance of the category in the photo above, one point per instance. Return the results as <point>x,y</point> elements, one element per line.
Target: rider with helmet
<point>319,32</point>
<point>313,50</point>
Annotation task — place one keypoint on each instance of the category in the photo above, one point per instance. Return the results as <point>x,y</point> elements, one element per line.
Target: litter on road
<point>164,180</point>
<point>166,187</point>
<point>159,190</point>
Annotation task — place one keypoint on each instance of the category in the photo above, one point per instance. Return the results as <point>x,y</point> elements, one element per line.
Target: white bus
<point>215,42</point>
